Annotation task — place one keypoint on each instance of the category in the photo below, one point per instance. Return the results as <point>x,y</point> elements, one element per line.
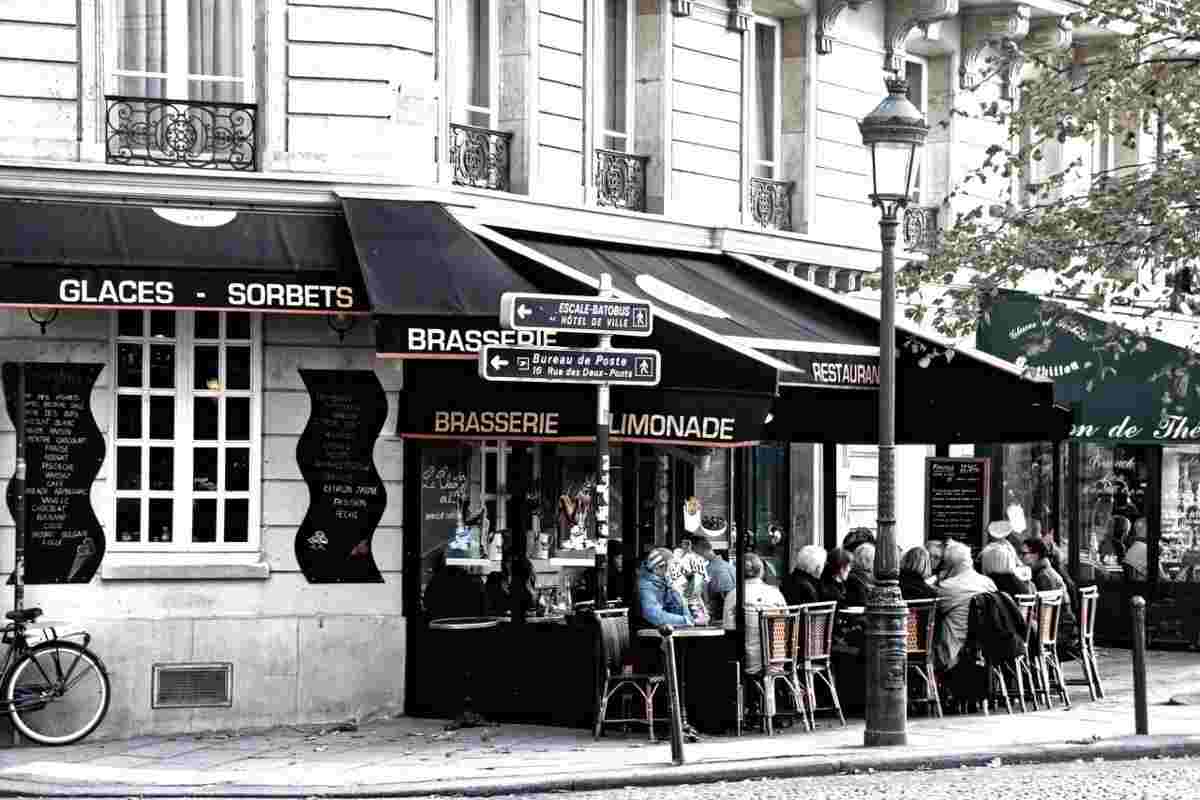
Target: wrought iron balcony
<point>479,157</point>
<point>771,203</point>
<point>921,230</point>
<point>144,131</point>
<point>621,179</point>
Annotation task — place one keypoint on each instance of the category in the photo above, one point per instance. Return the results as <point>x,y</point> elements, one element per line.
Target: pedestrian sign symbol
<point>644,367</point>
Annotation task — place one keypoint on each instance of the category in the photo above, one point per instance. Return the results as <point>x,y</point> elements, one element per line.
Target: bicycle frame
<point>16,637</point>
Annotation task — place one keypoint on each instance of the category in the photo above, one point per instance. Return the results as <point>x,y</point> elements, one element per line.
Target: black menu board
<point>64,449</point>
<point>346,495</point>
<point>956,498</point>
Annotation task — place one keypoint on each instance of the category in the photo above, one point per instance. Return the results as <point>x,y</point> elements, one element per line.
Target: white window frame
<point>184,492</point>
<point>775,165</point>
<point>599,66</point>
<point>922,187</point>
<point>177,75</point>
<point>460,109</point>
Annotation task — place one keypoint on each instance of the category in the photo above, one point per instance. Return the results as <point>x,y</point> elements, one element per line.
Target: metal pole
<point>1141,718</point>
<point>603,419</point>
<point>19,519</point>
<point>887,614</point>
<point>668,646</point>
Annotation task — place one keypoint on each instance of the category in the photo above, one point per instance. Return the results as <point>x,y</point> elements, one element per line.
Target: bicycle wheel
<point>58,693</point>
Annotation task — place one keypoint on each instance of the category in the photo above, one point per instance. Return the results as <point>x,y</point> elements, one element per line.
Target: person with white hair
<point>960,584</point>
<point>1002,566</point>
<point>803,585</point>
<point>758,594</point>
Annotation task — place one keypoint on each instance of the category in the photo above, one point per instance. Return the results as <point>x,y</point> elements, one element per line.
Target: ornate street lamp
<point>894,134</point>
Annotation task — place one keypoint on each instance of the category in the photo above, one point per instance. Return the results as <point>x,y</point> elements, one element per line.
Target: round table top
<point>464,623</point>
<point>693,632</point>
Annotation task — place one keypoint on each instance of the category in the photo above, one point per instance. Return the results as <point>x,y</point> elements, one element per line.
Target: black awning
<point>123,256</point>
<point>417,259</point>
<point>710,290</point>
<point>449,400</point>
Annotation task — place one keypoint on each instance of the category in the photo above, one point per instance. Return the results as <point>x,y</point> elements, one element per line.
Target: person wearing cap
<point>660,604</point>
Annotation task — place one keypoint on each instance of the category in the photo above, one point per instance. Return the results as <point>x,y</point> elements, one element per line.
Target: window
<point>473,48</point>
<point>764,146</point>
<point>614,56</point>
<point>186,430</point>
<point>185,49</point>
<point>914,73</point>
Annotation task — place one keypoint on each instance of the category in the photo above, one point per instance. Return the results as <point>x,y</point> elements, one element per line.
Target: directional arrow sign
<point>566,313</point>
<point>570,365</point>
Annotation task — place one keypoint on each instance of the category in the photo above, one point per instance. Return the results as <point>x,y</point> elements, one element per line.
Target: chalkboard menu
<point>956,498</point>
<point>346,495</point>
<point>64,449</point>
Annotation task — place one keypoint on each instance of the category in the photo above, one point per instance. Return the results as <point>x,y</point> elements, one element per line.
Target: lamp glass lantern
<point>894,133</point>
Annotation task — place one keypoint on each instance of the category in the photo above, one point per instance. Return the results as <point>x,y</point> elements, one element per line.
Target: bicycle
<point>56,691</point>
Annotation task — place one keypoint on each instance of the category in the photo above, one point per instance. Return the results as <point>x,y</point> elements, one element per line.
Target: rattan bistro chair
<point>1046,666</point>
<point>616,673</point>
<point>815,656</point>
<point>922,621</point>
<point>777,630</point>
<point>1089,597</point>
<point>1027,604</point>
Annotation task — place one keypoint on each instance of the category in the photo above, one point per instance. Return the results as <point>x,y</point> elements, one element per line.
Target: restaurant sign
<point>835,370</point>
<point>1133,391</point>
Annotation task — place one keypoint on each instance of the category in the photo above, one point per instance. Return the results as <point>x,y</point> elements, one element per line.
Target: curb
<point>897,760</point>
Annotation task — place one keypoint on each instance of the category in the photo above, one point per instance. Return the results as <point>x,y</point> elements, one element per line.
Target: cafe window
<point>1179,543</point>
<point>1112,487</point>
<point>770,510</point>
<point>186,430</point>
<point>1028,485</point>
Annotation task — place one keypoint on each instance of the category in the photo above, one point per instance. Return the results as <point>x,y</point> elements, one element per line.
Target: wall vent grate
<point>192,685</point>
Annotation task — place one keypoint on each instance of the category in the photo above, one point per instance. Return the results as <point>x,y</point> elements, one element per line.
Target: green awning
<point>1123,386</point>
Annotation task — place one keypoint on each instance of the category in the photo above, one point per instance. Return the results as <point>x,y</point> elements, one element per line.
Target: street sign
<point>566,313</point>
<point>570,365</point>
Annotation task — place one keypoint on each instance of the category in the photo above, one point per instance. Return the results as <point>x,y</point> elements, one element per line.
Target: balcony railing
<point>143,131</point>
<point>479,157</point>
<point>771,203</point>
<point>621,180</point>
<point>921,230</point>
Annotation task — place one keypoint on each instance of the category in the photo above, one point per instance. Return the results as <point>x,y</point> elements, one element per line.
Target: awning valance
<point>96,255</point>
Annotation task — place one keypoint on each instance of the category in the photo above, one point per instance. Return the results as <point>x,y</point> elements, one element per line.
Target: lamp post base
<point>887,667</point>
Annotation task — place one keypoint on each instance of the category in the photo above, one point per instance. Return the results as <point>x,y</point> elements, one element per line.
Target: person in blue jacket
<point>660,604</point>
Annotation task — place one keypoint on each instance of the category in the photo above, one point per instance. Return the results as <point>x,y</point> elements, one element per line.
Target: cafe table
<point>688,634</point>
<point>467,718</point>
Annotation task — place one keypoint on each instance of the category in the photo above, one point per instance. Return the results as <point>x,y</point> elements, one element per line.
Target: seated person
<point>1136,557</point>
<point>1036,556</point>
<point>834,575</point>
<point>759,594</point>
<point>804,584</point>
<point>720,585</point>
<point>659,603</point>
<point>960,584</point>
<point>1000,564</point>
<point>916,573</point>
<point>862,575</point>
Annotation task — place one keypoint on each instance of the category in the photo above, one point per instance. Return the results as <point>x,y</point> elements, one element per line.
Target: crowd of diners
<point>695,586</point>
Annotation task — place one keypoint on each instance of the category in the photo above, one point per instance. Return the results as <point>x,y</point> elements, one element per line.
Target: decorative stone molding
<point>681,8</point>
<point>829,13</point>
<point>740,14</point>
<point>991,45</point>
<point>1046,35</point>
<point>905,16</point>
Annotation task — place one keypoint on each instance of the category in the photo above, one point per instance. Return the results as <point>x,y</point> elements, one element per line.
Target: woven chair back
<point>1048,615</point>
<point>614,637</point>
<point>922,617</point>
<point>815,629</point>
<point>777,638</point>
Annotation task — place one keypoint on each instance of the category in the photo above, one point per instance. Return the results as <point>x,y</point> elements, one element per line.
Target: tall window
<point>186,434</point>
<point>185,49</point>
<point>472,47</point>
<point>914,73</point>
<point>614,67</point>
<point>764,152</point>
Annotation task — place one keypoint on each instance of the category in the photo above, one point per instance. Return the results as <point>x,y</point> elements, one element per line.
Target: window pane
<point>162,525</point>
<point>237,469</point>
<point>162,468</point>
<point>616,38</point>
<point>142,35</point>
<point>204,520</point>
<point>129,416</point>
<point>204,469</point>
<point>162,324</point>
<point>129,364</point>
<point>129,468</point>
<point>129,323</point>
<point>141,87</point>
<point>478,66</point>
<point>237,419</point>
<point>237,326</point>
<point>162,417</point>
<point>207,368</point>
<point>765,48</point>
<point>237,520</point>
<point>208,325</point>
<point>237,368</point>
<point>162,366</point>
<point>204,418</point>
<point>216,35</point>
<point>129,519</point>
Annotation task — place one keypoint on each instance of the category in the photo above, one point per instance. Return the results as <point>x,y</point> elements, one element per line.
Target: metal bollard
<point>668,645</point>
<point>1140,715</point>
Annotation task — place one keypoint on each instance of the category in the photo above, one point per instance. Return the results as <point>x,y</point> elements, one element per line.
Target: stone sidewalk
<point>413,757</point>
